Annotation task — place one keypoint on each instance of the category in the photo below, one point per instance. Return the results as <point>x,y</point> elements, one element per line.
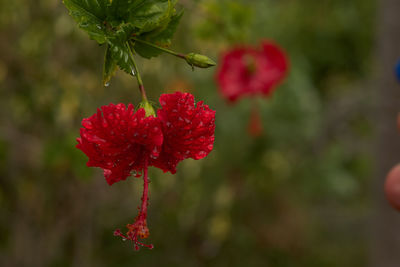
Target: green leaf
<point>119,47</point>
<point>151,14</point>
<point>124,32</point>
<point>110,66</point>
<point>114,22</point>
<point>120,9</point>
<point>120,53</point>
<point>164,35</point>
<point>90,15</point>
<point>162,38</point>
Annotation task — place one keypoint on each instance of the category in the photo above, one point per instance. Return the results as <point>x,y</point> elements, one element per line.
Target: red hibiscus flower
<point>121,141</point>
<point>250,71</point>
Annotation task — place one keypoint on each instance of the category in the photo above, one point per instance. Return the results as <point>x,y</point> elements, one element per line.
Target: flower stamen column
<point>139,227</point>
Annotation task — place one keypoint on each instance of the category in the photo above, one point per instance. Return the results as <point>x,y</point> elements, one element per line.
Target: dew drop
<point>210,147</point>
<point>107,84</point>
<point>155,152</point>
<point>87,124</point>
<point>133,73</point>
<point>123,239</point>
<point>201,154</point>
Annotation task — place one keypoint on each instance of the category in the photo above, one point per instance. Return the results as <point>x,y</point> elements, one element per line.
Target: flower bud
<point>198,60</point>
<point>148,108</point>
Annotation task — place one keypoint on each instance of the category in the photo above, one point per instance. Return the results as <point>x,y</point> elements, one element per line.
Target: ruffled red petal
<point>118,139</point>
<point>188,130</point>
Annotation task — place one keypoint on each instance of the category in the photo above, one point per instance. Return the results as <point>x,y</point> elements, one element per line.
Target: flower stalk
<point>193,59</point>
<point>159,48</point>
<point>137,74</point>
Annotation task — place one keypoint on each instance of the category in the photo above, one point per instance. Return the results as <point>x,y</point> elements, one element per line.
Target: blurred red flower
<point>251,71</point>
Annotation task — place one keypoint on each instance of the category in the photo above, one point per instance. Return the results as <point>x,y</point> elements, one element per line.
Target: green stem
<point>159,48</point>
<point>137,74</point>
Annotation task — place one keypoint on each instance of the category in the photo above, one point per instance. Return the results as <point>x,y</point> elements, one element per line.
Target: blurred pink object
<point>392,187</point>
<point>250,71</point>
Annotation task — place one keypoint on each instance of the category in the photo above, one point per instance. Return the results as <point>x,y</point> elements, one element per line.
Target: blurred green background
<point>299,195</point>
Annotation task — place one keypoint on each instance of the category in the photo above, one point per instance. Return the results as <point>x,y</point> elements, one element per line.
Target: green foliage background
<point>297,196</point>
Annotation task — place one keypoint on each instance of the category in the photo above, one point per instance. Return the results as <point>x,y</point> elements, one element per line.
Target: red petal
<point>188,130</point>
<point>117,139</point>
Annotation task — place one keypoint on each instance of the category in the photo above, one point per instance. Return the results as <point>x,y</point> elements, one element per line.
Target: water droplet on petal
<point>87,124</point>
<point>210,147</point>
<point>201,154</point>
